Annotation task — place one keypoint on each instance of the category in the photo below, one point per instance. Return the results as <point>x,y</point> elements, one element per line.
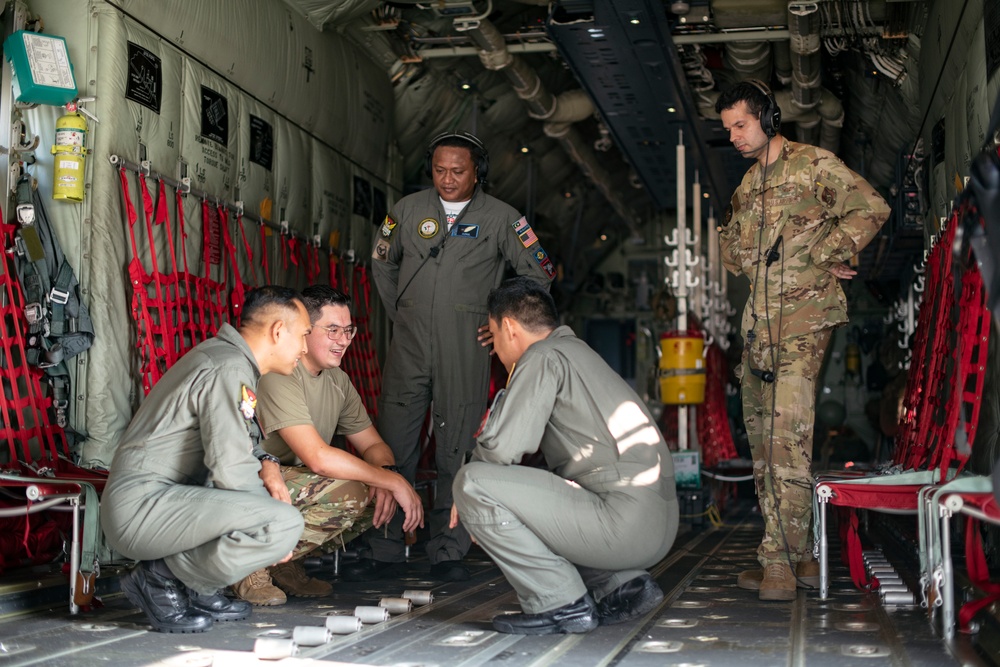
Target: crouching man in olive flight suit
<point>606,508</point>
<point>185,495</point>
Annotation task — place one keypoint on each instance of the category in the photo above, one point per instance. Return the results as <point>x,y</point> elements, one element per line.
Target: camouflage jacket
<point>824,214</point>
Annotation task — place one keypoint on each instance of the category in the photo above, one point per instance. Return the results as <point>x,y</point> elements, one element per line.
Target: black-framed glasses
<point>335,332</point>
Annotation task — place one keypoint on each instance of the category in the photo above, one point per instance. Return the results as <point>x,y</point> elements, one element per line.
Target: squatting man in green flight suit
<point>436,257</point>
<point>605,509</point>
<point>797,217</point>
<point>184,496</point>
<point>339,494</point>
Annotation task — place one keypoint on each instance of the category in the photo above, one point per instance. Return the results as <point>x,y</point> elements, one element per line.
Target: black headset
<point>770,113</point>
<point>480,156</point>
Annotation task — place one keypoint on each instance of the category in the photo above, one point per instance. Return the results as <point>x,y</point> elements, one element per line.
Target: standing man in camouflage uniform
<point>794,221</point>
<point>437,256</point>
<point>301,413</point>
<point>185,494</point>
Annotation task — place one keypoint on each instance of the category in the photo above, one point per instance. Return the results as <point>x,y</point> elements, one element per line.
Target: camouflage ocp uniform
<point>334,510</point>
<point>824,214</point>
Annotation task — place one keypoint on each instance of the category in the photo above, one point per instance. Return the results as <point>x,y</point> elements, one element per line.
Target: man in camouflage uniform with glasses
<point>332,488</point>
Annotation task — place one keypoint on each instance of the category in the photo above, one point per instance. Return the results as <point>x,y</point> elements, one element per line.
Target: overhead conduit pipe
<point>559,113</point>
<point>803,24</point>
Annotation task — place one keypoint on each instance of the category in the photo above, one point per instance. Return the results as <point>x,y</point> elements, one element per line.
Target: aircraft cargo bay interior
<point>480,332</point>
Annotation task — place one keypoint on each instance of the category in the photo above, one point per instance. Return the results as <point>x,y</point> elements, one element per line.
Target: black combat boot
<point>575,617</point>
<point>163,599</point>
<point>630,600</point>
<point>219,607</point>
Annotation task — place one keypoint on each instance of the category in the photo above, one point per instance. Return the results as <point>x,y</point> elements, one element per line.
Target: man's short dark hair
<point>261,299</point>
<point>742,92</point>
<point>526,301</point>
<point>316,297</point>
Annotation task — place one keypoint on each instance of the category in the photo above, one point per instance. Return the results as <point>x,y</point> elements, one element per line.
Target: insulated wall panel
<point>317,80</point>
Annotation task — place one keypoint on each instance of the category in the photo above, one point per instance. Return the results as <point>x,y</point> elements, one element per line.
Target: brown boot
<point>291,577</point>
<point>258,590</point>
<point>807,572</point>
<point>778,583</point>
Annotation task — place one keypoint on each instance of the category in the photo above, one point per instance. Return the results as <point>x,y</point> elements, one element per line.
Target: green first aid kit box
<point>43,73</point>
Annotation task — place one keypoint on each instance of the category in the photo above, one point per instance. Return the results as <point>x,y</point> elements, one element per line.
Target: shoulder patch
<point>828,195</point>
<point>381,252</point>
<point>544,261</point>
<point>388,226</point>
<point>248,402</point>
<point>524,232</point>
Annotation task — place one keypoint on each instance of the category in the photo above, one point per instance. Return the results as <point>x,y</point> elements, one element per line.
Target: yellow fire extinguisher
<point>70,156</point>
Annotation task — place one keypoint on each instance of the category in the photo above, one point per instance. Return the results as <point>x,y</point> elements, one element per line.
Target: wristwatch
<point>392,469</point>
<point>269,457</point>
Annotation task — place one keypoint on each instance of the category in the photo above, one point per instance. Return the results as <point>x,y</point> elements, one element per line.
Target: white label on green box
<point>48,61</point>
<point>687,469</point>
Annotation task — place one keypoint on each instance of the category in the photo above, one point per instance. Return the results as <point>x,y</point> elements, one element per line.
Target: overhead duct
<point>782,62</point>
<point>558,112</point>
<point>750,60</point>
<point>803,24</point>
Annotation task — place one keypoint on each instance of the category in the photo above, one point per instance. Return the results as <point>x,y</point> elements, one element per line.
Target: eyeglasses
<point>336,332</point>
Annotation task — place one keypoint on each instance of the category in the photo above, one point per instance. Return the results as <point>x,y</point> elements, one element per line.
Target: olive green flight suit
<point>607,506</point>
<point>824,214</point>
<point>434,284</point>
<point>184,483</point>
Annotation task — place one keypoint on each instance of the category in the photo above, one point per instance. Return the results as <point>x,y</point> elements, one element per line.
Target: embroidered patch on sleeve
<point>248,403</point>
<point>524,232</point>
<point>381,252</point>
<point>388,226</point>
<point>544,261</point>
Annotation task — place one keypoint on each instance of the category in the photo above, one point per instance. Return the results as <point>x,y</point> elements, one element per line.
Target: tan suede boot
<point>291,577</point>
<point>257,589</point>
<point>778,583</point>
<point>807,572</point>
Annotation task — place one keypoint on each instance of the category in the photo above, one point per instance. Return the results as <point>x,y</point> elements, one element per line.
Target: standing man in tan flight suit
<point>794,221</point>
<point>606,508</point>
<point>185,494</point>
<point>437,256</point>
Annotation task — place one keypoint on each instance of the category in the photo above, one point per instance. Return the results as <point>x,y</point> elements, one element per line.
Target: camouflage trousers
<point>335,510</point>
<point>779,419</point>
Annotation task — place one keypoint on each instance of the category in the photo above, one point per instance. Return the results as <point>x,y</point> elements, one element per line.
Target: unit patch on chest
<point>428,228</point>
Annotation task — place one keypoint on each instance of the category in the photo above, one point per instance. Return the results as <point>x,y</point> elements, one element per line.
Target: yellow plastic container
<point>682,369</point>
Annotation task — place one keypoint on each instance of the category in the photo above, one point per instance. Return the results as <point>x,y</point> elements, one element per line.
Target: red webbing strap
<point>714,433</point>
<point>247,249</point>
<point>334,270</point>
<point>930,348</point>
<point>312,263</point>
<point>284,253</point>
<point>979,575</point>
<point>164,327</point>
<point>855,557</point>
<point>162,218</point>
<point>293,254</point>
<point>140,313</point>
<point>973,335</point>
<point>237,296</point>
<point>191,326</point>
<point>25,416</point>
<point>263,253</point>
<point>212,293</point>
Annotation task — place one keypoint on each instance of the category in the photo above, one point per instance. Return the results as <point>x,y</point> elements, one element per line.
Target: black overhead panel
<point>623,56</point>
